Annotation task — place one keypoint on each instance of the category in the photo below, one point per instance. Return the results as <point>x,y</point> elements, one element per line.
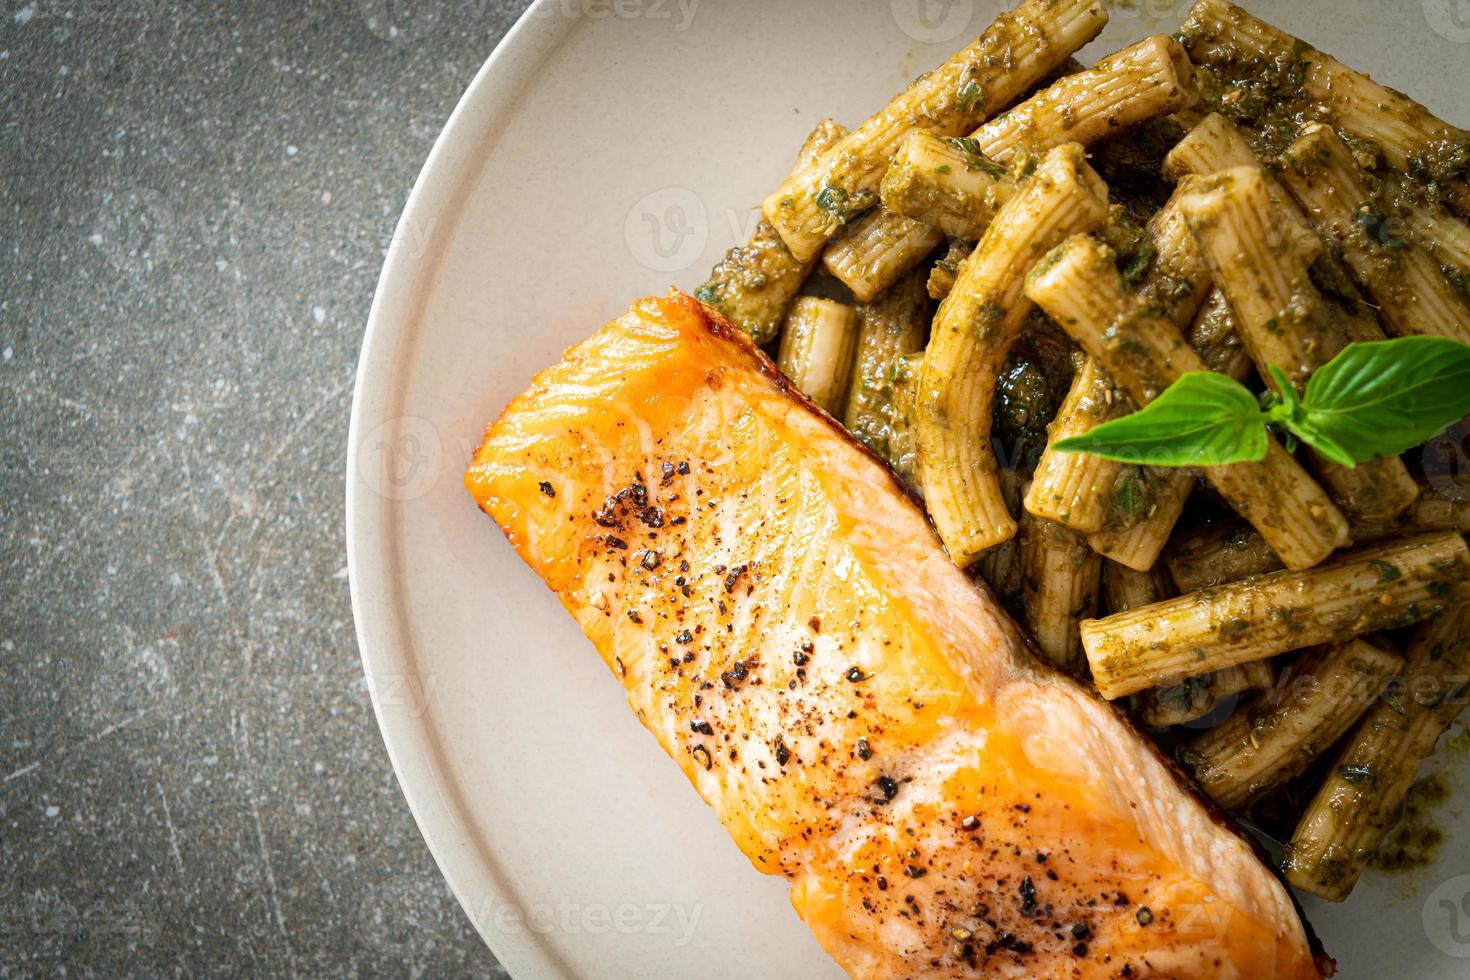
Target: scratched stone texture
<point>195,199</point>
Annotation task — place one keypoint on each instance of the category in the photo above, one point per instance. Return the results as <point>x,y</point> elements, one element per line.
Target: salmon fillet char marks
<point>862,719</point>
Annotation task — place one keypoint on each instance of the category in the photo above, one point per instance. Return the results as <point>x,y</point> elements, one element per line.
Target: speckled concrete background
<point>195,199</point>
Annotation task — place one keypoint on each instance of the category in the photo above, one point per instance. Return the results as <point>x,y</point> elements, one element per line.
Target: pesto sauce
<point>1415,839</point>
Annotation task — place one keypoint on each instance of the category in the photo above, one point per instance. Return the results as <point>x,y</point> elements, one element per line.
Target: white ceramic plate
<point>608,149</point>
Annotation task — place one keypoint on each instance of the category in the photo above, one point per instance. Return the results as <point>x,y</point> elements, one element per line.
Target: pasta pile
<point>1221,200</point>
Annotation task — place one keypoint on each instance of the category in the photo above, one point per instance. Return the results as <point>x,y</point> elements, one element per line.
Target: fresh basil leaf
<point>1203,419</point>
<point>1326,446</point>
<point>1381,398</point>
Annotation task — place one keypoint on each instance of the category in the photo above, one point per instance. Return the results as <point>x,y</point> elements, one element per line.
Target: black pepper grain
<point>864,750</point>
<point>650,559</point>
<point>548,489</point>
<point>1028,894</point>
<point>855,674</point>
<point>1145,915</point>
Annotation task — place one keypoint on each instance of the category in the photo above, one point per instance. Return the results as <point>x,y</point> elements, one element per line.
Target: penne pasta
<point>1124,588</point>
<point>1138,83</point>
<point>873,253</point>
<point>1060,576</point>
<point>1226,552</point>
<point>1079,286</point>
<point>754,285</point>
<point>1433,511</point>
<point>889,329</point>
<point>1405,281</point>
<point>1147,502</point>
<point>1290,76</point>
<point>1359,802</point>
<point>1446,237</point>
<point>1262,270</point>
<point>1375,588</point>
<point>1195,697</point>
<point>1018,50</point>
<point>1274,738</point>
<point>942,276</point>
<point>1279,313</point>
<point>1085,492</point>
<point>948,183</point>
<point>957,185</point>
<point>817,346</point>
<point>972,333</point>
<point>1074,489</point>
<point>903,444</point>
<point>1000,567</point>
<point>1215,144</point>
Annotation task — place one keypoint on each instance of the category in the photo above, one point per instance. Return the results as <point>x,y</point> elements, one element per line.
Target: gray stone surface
<point>195,199</point>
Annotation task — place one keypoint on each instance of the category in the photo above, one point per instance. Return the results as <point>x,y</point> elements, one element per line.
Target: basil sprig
<point>1371,400</point>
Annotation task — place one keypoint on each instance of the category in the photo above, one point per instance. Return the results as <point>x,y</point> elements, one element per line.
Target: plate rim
<point>369,527</point>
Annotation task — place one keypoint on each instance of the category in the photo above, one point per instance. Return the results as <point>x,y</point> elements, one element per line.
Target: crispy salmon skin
<point>864,721</point>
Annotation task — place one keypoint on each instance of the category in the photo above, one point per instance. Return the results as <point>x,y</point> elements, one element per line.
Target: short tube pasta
<point>1406,282</point>
<point>754,284</point>
<point>1224,38</point>
<point>969,340</point>
<point>1195,697</point>
<point>1079,286</point>
<point>1060,576</point>
<point>1278,311</point>
<point>889,329</point>
<point>1275,737</point>
<point>1376,588</point>
<point>817,349</point>
<point>1018,50</point>
<point>1076,489</point>
<point>1142,82</point>
<point>1359,802</point>
<point>958,185</point>
<point>1216,555</point>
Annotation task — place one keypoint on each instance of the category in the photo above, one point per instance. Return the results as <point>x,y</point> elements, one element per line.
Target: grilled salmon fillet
<point>864,720</point>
